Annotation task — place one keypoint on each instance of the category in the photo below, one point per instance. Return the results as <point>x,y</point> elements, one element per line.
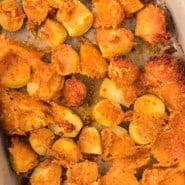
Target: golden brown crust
<point>74,92</point>
<point>165,77</point>
<point>151,24</point>
<point>83,173</point>
<point>92,63</point>
<point>107,13</point>
<point>22,157</point>
<point>123,71</point>
<point>114,42</point>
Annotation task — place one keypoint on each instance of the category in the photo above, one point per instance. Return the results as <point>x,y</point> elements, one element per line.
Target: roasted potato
<point>11,15</point>
<point>107,13</point>
<point>15,72</point>
<point>53,32</point>
<point>48,172</point>
<point>65,59</point>
<point>66,151</point>
<point>149,119</point>
<point>92,63</point>
<point>112,92</point>
<point>41,140</point>
<point>36,11</point>
<point>107,113</point>
<point>151,24</point>
<point>89,141</point>
<point>116,143</point>
<point>74,92</point>
<point>83,173</point>
<point>131,6</point>
<point>166,176</point>
<point>114,42</point>
<point>44,83</point>
<point>75,17</point>
<point>22,157</point>
<point>123,71</point>
<point>67,123</point>
<point>21,114</point>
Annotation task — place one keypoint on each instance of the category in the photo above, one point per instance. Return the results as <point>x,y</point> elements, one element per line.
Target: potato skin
<point>151,25</point>
<point>74,92</point>
<point>107,13</point>
<point>22,157</point>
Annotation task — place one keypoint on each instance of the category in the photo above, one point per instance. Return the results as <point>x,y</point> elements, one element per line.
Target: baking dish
<point>177,10</point>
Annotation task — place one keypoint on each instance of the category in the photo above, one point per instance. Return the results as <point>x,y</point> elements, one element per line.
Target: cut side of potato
<point>107,113</point>
<point>67,123</point>
<point>41,139</point>
<point>75,16</point>
<point>110,91</point>
<point>150,105</point>
<point>11,15</point>
<point>149,118</point>
<point>53,32</point>
<point>67,151</point>
<point>89,141</point>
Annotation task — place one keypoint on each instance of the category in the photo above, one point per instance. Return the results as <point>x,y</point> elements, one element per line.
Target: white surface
<point>177,9</point>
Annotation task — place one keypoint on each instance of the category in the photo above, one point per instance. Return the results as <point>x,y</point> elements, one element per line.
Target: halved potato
<point>89,141</point>
<point>41,140</point>
<point>149,104</point>
<point>107,113</point>
<point>67,123</point>
<point>149,118</point>
<point>151,24</point>
<point>47,172</point>
<point>114,42</point>
<point>22,157</point>
<point>92,63</point>
<point>11,15</point>
<point>66,151</point>
<point>115,94</point>
<point>65,59</point>
<point>15,72</point>
<point>53,32</point>
<point>75,16</point>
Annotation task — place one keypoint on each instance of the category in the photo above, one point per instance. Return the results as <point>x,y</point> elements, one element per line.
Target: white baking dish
<point>177,9</point>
